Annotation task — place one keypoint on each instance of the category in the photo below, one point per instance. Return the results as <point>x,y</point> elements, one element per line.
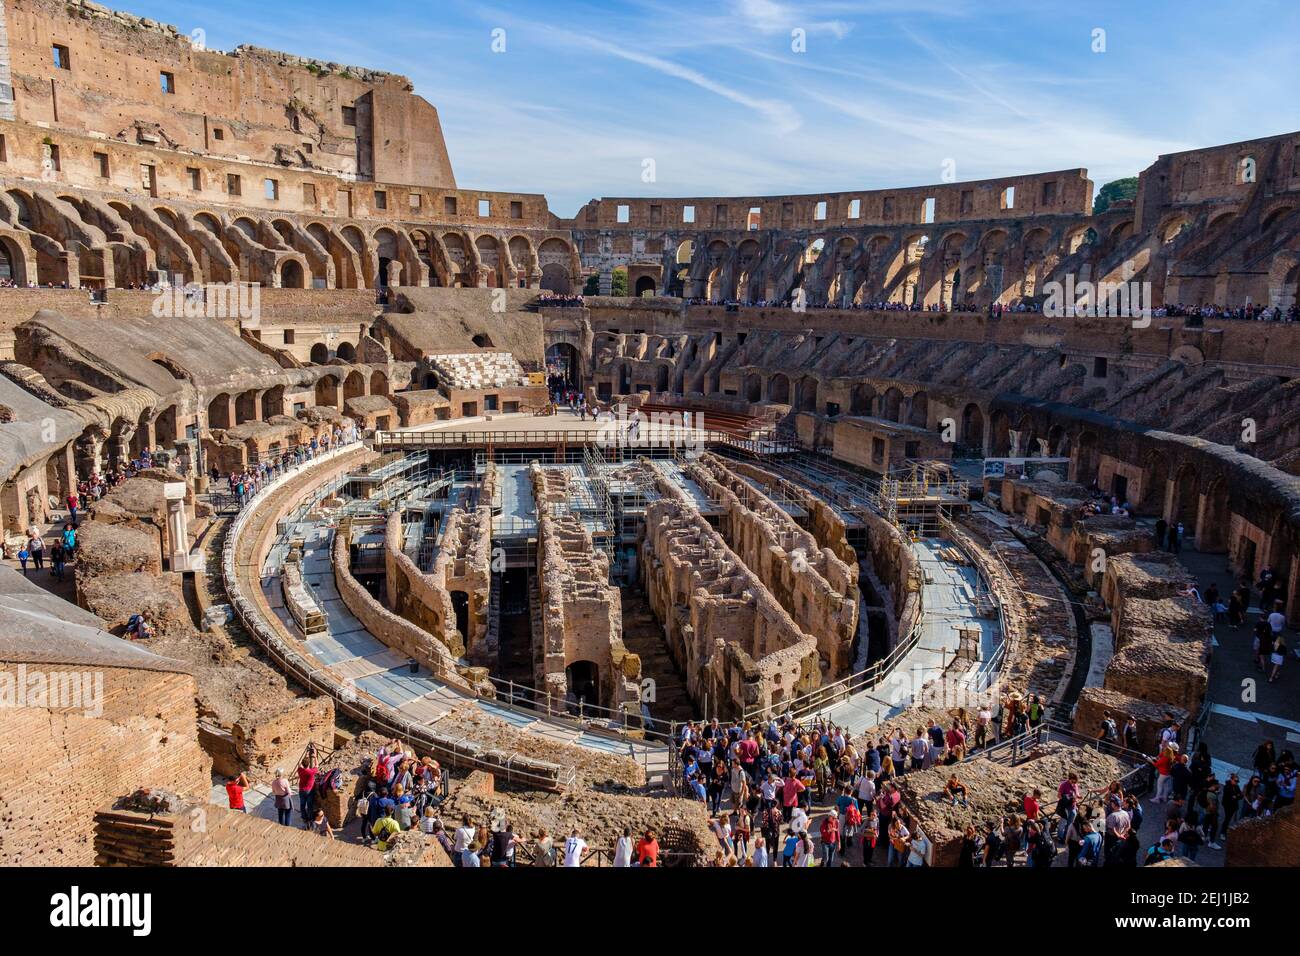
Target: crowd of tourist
<point>244,485</point>
<point>555,300</point>
<point>1250,313</point>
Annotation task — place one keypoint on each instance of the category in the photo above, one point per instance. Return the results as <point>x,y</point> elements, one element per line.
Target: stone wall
<point>59,766</point>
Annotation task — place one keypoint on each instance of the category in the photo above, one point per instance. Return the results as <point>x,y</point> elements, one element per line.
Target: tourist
<point>623,849</point>
<point>385,830</point>
<point>283,800</point>
<point>830,834</point>
<point>647,850</point>
<point>574,847</point>
<point>36,549</point>
<point>307,773</point>
<point>321,826</point>
<point>235,787</point>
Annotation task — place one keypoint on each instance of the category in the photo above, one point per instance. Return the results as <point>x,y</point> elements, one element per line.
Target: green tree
<point>592,286</point>
<point>1115,189</point>
<point>619,284</point>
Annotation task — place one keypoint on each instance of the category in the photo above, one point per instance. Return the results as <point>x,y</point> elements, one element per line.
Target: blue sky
<point>883,94</point>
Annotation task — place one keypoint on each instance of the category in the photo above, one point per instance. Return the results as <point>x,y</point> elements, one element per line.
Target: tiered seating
<point>478,370</point>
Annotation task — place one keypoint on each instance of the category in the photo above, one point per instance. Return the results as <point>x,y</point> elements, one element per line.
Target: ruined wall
<point>93,758</point>
<point>395,631</point>
<point>582,613</point>
<point>817,589</point>
<point>251,104</point>
<point>738,647</point>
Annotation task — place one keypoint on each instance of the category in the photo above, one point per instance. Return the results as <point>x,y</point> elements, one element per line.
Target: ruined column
<point>178,545</point>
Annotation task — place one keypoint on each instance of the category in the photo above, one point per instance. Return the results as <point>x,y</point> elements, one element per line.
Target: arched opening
<point>327,391</point>
<point>11,264</point>
<point>806,394</point>
<point>482,341</point>
<point>460,606</point>
<point>778,389</point>
<point>378,383</point>
<point>563,367</point>
<point>273,402</point>
<point>246,407</point>
<point>1154,485</point>
<point>164,427</point>
<point>753,387</point>
<point>219,412</point>
<point>918,410</point>
<point>291,275</point>
<point>354,386</point>
<point>892,405</point>
<point>661,378</point>
<point>1213,535</point>
<point>1086,460</point>
<point>346,351</point>
<point>1001,434</point>
<point>862,400</point>
<point>555,258</point>
<point>320,353</point>
<point>1186,499</point>
<point>583,678</point>
<point>645,286</point>
<point>972,428</point>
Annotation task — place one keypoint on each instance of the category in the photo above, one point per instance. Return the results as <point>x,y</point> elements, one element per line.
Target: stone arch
<point>1155,483</point>
<point>292,275</point>
<point>554,257</point>
<point>753,387</point>
<point>327,391</point>
<point>378,383</point>
<point>891,405</point>
<point>972,427</point>
<point>1186,498</point>
<point>862,399</point>
<point>806,394</point>
<point>778,389</point>
<point>219,412</point>
<point>1000,432</point>
<point>918,410</point>
<point>1087,459</point>
<point>346,351</point>
<point>320,353</point>
<point>354,386</point>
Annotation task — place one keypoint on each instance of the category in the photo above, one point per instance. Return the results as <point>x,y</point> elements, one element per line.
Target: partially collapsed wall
<point>817,589</point>
<point>738,647</point>
<point>582,613</point>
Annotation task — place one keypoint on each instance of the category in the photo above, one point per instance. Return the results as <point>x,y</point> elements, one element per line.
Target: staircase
<point>643,636</point>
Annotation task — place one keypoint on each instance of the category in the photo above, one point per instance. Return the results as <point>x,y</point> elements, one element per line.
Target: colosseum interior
<point>835,460</point>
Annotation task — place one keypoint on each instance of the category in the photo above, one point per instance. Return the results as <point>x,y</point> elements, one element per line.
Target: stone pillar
<point>178,545</point>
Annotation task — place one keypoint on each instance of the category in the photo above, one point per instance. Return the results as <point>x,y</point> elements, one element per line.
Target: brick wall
<point>58,767</point>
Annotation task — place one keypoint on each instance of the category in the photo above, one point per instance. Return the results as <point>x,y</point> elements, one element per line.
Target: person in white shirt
<point>760,853</point>
<point>470,856</point>
<point>623,849</point>
<point>867,787</point>
<point>464,837</point>
<point>574,847</point>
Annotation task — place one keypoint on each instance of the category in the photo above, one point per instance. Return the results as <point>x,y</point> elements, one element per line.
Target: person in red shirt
<point>790,790</point>
<point>235,787</point>
<point>1032,803</point>
<point>307,774</point>
<point>647,850</point>
<point>830,838</point>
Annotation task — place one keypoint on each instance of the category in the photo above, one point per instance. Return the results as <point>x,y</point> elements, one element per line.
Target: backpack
<point>330,780</point>
<point>852,815</point>
<point>381,770</point>
<point>363,806</point>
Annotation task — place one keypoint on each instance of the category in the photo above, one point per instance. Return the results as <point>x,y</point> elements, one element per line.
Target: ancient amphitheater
<point>838,460</point>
